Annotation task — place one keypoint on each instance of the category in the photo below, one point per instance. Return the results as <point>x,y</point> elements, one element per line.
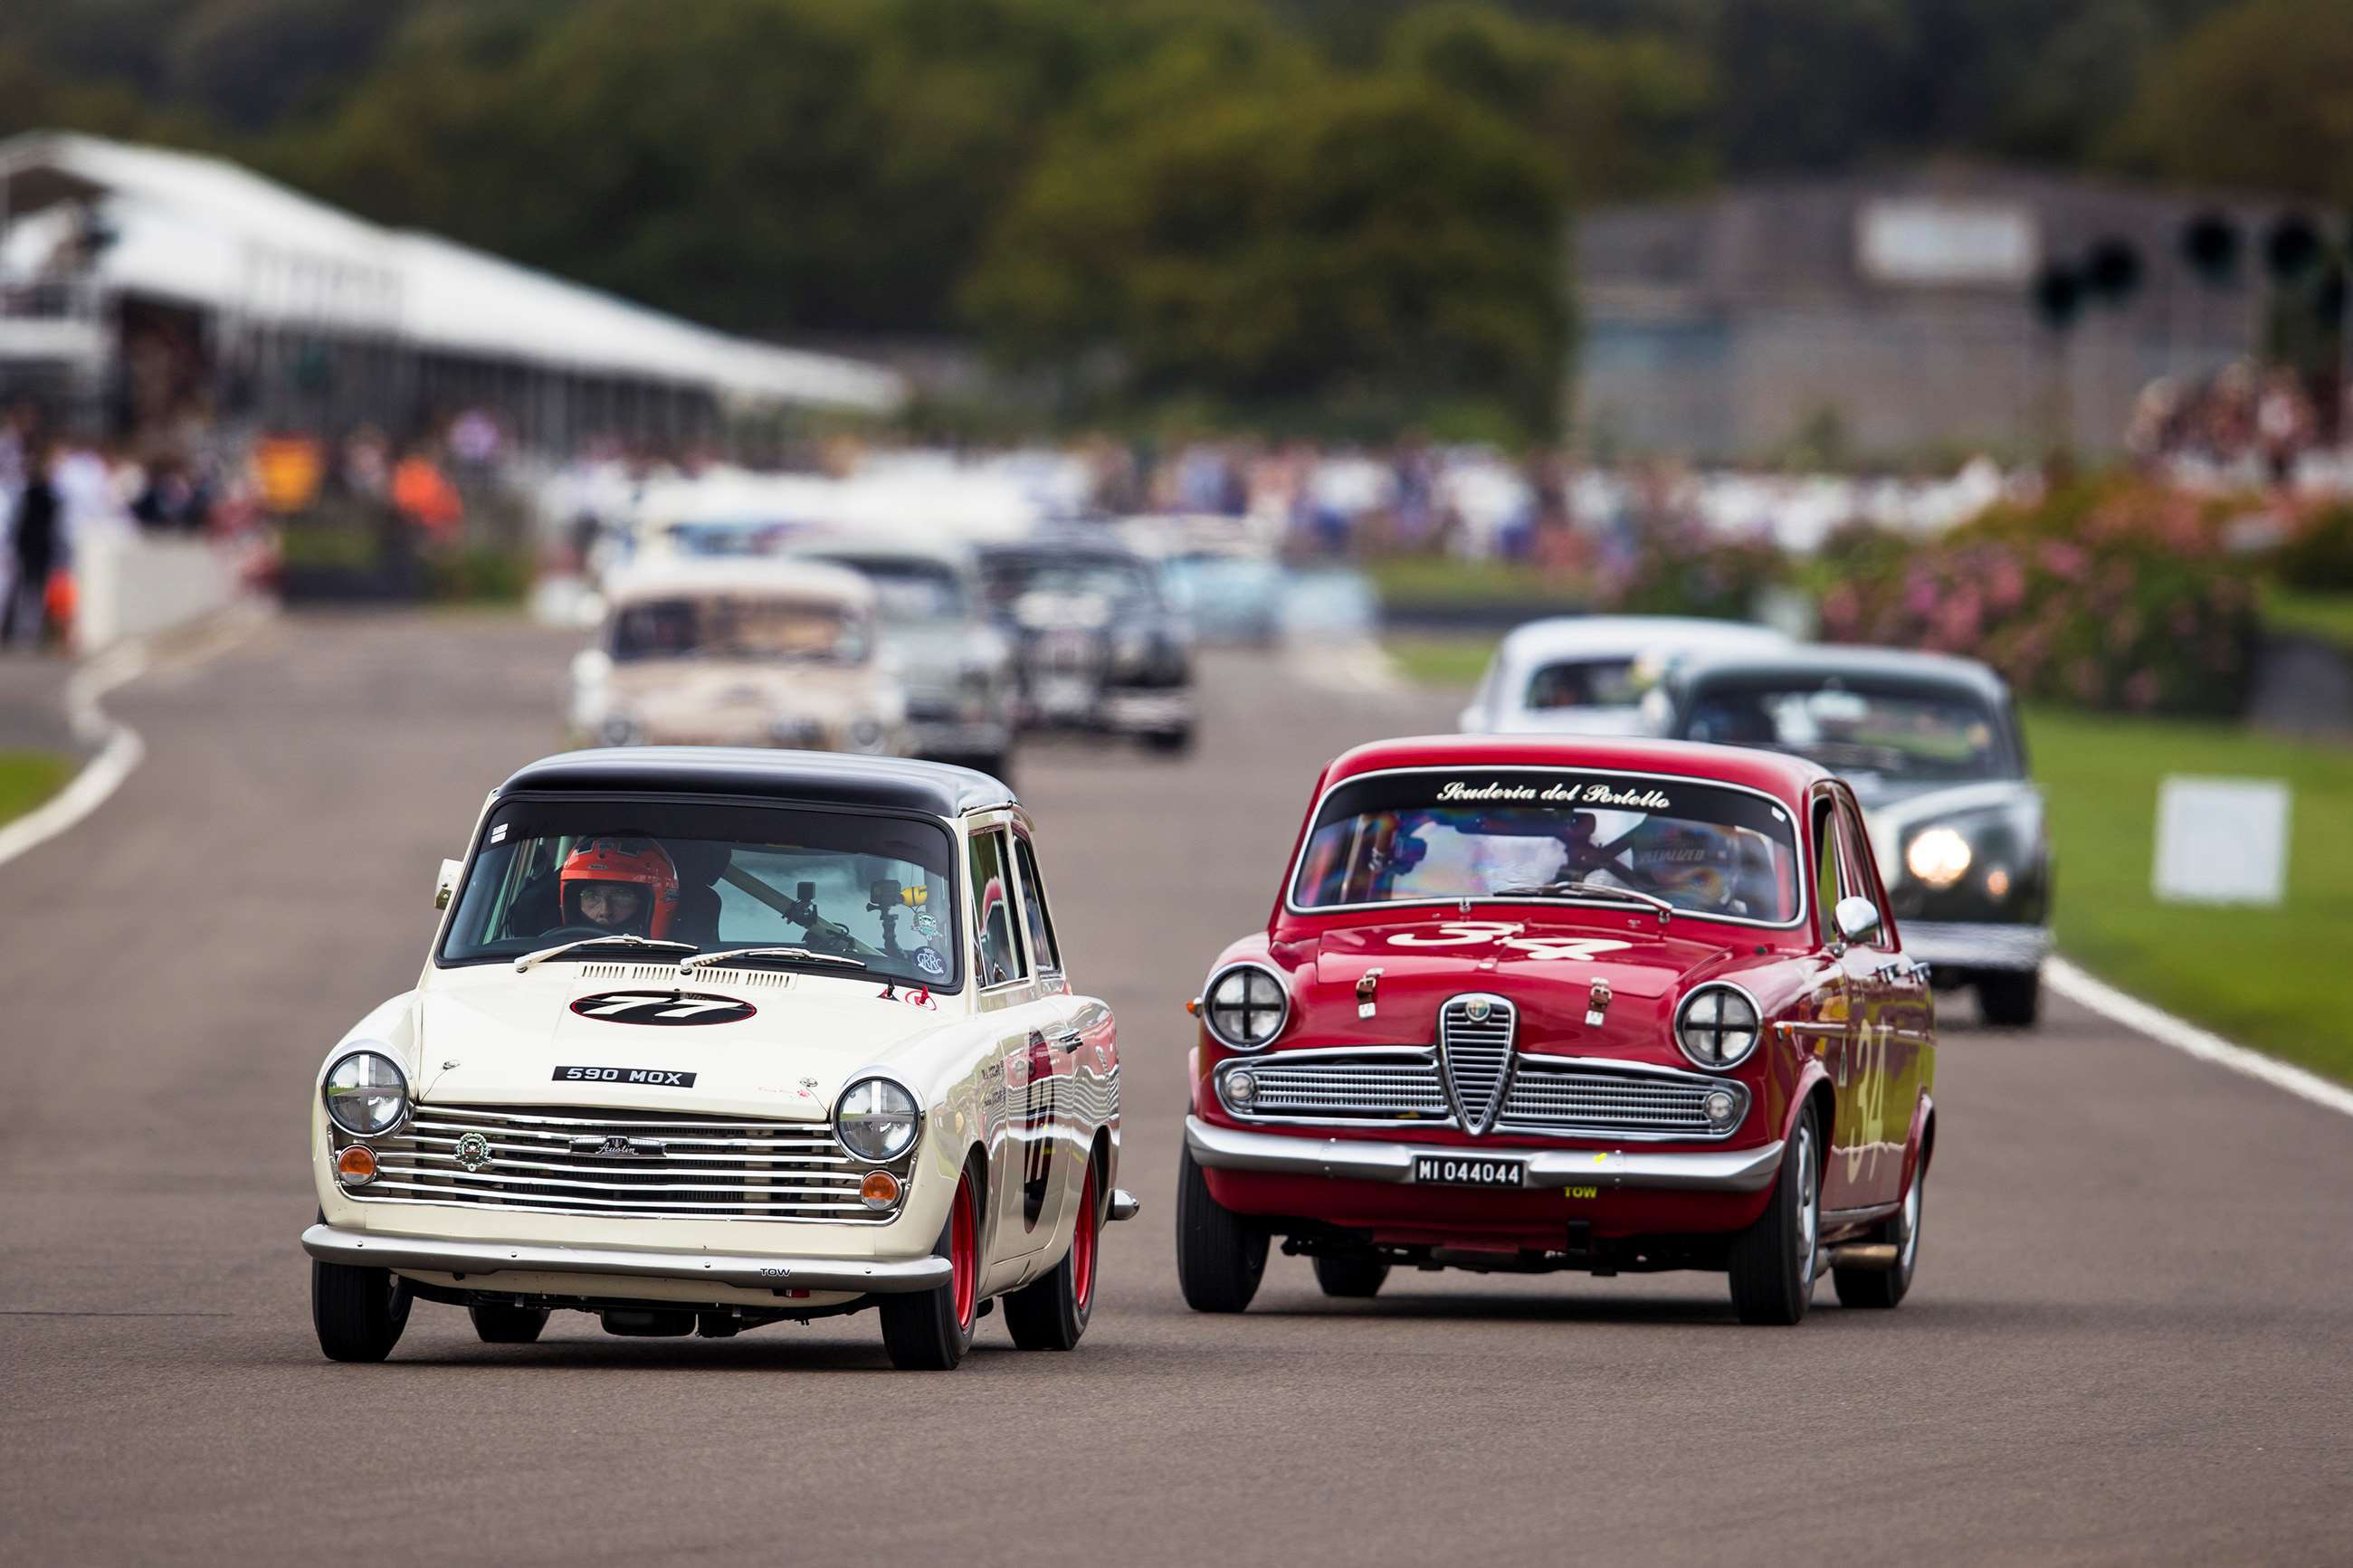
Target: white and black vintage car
<point>713,1038</point>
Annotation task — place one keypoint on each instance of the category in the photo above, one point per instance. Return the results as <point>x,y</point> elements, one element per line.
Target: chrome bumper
<point>1725,1171</point>
<point>1975,944</point>
<point>426,1255</point>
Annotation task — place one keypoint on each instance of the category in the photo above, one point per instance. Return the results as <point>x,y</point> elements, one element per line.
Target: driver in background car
<point>625,885</point>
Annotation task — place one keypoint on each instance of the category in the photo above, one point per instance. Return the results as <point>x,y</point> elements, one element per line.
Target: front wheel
<point>2010,999</point>
<point>1351,1279</point>
<point>357,1312</point>
<point>504,1323</point>
<point>930,1331</point>
<point>1219,1258</point>
<point>1772,1263</point>
<point>1050,1314</point>
<point>1883,1289</point>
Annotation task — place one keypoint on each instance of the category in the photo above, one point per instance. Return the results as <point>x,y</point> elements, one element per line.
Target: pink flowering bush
<point>1679,568</point>
<point>2116,596</point>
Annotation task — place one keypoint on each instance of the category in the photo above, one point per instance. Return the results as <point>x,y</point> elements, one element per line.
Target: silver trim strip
<point>427,1254</point>
<point>1724,1170</point>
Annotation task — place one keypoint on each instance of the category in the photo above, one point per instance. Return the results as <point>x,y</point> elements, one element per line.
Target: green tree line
<point>1287,209</point>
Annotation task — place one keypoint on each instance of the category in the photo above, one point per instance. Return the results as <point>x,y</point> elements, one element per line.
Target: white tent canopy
<point>207,233</point>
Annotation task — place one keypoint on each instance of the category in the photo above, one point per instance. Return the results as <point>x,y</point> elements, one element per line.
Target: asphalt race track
<point>2131,1340</point>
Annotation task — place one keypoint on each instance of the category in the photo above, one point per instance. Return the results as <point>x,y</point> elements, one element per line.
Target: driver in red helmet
<point>620,885</point>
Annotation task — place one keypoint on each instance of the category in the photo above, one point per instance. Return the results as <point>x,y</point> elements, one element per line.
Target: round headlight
<point>366,1094</point>
<point>877,1120</point>
<point>1245,1008</point>
<point>617,730</point>
<point>1717,1027</point>
<point>867,735</point>
<point>1938,856</point>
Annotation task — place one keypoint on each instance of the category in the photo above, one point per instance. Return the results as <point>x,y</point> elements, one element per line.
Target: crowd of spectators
<point>2246,425</point>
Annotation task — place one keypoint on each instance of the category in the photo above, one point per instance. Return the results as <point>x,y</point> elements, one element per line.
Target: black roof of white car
<point>824,778</point>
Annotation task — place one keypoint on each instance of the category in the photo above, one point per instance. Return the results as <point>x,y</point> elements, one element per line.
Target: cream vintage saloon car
<point>710,1039</point>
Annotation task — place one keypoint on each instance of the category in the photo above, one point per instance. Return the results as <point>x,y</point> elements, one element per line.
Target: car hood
<point>662,689</point>
<point>932,654</point>
<point>486,1036</point>
<point>1546,968</point>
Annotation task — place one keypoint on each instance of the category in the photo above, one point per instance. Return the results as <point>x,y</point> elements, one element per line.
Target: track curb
<point>119,749</point>
<point>2146,1018</point>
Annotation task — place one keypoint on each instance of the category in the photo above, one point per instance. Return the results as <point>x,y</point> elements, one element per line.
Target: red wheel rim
<point>1082,1247</point>
<point>964,1254</point>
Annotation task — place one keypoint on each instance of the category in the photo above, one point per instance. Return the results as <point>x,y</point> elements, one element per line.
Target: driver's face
<point>610,904</point>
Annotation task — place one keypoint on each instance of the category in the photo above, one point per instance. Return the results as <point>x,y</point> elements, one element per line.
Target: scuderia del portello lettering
<point>1570,794</point>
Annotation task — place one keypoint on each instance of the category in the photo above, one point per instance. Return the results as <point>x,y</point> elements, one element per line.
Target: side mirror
<point>445,885</point>
<point>1857,919</point>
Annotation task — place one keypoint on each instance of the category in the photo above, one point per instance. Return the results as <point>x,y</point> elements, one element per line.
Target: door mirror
<point>446,883</point>
<point>1857,919</point>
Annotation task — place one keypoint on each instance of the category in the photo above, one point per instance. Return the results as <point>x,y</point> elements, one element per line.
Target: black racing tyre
<point>1170,742</point>
<point>2010,998</point>
<point>1772,1262</point>
<point>1050,1313</point>
<point>1885,1288</point>
<point>505,1323</point>
<point>1351,1279</point>
<point>358,1312</point>
<point>1219,1258</point>
<point>932,1330</point>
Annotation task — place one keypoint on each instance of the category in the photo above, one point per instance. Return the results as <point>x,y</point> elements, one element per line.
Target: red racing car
<point>1533,1004</point>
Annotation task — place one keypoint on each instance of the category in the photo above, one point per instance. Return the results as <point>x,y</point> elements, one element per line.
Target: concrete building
<point>1894,313</point>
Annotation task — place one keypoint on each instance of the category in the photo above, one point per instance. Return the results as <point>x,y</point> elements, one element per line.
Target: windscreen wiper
<point>798,954</point>
<point>1578,885</point>
<point>619,937</point>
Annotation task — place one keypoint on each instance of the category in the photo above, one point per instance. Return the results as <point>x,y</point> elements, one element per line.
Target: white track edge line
<point>122,750</point>
<point>2187,1037</point>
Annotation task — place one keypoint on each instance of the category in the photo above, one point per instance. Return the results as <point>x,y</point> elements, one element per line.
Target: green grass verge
<point>28,778</point>
<point>1440,661</point>
<point>2276,980</point>
<point>2328,616</point>
<point>1441,580</point>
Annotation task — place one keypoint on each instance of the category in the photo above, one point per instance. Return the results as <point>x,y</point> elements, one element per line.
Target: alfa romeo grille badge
<point>1476,1009</point>
<point>473,1151</point>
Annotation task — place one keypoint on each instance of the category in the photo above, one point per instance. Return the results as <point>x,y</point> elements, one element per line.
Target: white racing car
<point>711,1038</point>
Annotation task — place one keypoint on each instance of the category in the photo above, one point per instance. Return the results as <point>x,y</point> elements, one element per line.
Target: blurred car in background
<point>739,653</point>
<point>1586,675</point>
<point>957,667</point>
<point>1097,644</point>
<point>1220,573</point>
<point>1932,747</point>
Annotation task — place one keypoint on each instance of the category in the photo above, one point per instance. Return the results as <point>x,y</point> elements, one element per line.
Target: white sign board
<point>1935,244</point>
<point>2221,841</point>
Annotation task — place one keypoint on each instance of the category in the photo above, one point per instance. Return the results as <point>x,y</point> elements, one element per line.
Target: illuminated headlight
<point>867,735</point>
<point>619,729</point>
<point>1937,857</point>
<point>1717,1027</point>
<point>877,1120</point>
<point>366,1094</point>
<point>1245,1008</point>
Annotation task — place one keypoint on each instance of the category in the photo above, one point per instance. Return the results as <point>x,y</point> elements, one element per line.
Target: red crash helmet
<point>637,863</point>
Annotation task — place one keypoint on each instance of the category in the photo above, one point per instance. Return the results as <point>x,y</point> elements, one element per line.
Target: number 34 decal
<point>1504,933</point>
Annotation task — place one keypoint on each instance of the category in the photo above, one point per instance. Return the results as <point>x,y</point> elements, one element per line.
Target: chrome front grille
<point>1546,1096</point>
<point>1474,1055</point>
<point>629,1164</point>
